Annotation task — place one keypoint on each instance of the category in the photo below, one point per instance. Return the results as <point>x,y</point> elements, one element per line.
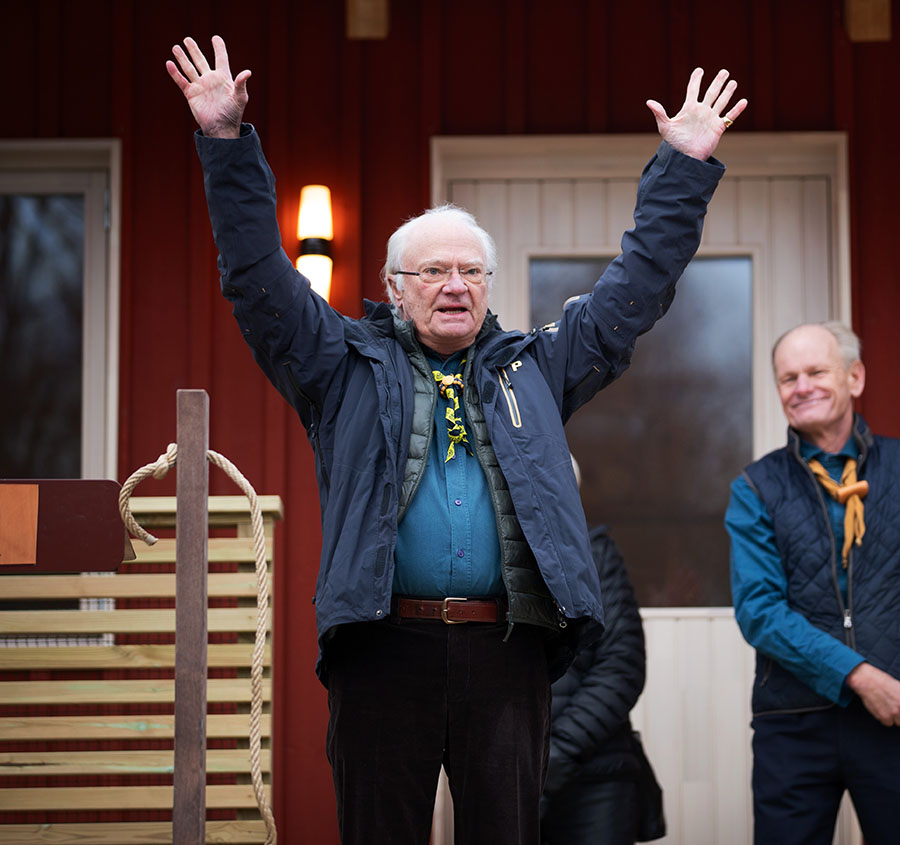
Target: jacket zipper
<point>510,396</point>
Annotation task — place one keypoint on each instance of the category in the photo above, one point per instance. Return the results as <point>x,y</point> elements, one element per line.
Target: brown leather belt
<point>450,610</point>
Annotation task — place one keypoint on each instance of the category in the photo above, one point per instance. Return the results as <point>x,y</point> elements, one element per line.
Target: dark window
<point>41,307</point>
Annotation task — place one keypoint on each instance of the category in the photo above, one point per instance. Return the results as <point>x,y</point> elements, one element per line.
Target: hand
<point>696,129</point>
<point>217,101</point>
<point>879,691</point>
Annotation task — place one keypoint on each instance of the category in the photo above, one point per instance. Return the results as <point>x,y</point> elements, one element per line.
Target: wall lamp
<point>315,231</point>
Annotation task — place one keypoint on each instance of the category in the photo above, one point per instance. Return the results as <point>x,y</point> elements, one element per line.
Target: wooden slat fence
<point>87,696</point>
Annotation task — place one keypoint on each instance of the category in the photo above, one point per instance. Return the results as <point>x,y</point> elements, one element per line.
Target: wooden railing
<point>87,695</point>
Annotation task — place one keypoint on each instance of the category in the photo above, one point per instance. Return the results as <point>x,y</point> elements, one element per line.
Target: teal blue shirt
<point>759,587</point>
<point>447,543</point>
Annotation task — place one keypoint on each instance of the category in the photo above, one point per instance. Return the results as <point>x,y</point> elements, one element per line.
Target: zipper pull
<point>848,622</point>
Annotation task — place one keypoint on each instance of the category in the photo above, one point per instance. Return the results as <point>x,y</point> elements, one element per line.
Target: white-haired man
<point>815,572</point>
<point>446,487</point>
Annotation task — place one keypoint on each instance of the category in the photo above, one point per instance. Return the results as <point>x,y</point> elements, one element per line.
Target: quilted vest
<point>530,601</point>
<point>869,622</point>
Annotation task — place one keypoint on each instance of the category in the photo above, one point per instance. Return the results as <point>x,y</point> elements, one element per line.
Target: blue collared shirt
<point>447,543</point>
<point>759,587</point>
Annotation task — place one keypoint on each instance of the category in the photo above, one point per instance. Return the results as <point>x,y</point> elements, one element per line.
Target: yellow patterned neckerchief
<point>850,493</point>
<point>449,387</point>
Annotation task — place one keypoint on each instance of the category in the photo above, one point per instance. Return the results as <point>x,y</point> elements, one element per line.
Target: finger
<point>724,97</point>
<point>180,81</point>
<point>738,107</point>
<point>197,56</point>
<point>693,89</point>
<point>715,87</point>
<point>187,66</point>
<point>221,54</point>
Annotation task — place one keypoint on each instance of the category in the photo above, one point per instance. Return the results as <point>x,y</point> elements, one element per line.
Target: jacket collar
<point>860,432</point>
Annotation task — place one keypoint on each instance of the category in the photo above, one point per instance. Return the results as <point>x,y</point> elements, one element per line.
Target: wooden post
<point>191,526</point>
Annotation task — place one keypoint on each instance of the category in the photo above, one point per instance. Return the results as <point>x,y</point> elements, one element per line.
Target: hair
<point>398,242</point>
<point>848,342</point>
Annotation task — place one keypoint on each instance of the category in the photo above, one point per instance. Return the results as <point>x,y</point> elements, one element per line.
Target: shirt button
<point>457,502</point>
<point>460,553</point>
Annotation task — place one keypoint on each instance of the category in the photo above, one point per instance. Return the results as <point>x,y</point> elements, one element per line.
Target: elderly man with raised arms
<point>445,482</point>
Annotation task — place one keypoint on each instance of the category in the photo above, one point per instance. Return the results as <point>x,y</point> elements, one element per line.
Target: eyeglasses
<point>439,275</point>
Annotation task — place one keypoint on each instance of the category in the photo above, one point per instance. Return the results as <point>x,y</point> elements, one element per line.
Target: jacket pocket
<point>509,394</point>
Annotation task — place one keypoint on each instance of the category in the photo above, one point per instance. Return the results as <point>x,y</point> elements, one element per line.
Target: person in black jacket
<point>590,795</point>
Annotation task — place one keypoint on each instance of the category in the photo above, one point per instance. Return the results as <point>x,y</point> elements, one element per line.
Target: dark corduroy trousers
<point>407,696</point>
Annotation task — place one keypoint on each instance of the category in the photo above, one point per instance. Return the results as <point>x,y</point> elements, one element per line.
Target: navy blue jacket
<point>350,380</point>
<point>869,622</point>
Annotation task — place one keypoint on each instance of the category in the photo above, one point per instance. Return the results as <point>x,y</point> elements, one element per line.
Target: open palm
<point>217,101</point>
<point>697,127</point>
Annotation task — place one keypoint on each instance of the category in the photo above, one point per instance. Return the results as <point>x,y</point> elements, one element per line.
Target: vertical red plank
<point>189,810</point>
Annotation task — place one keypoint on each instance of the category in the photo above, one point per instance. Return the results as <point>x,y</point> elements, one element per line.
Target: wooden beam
<point>85,798</point>
<point>127,833</point>
<point>191,633</point>
<point>70,728</point>
<point>868,20</point>
<point>368,19</point>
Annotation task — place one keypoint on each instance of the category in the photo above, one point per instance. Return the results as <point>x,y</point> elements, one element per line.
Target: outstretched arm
<point>696,129</point>
<point>217,101</point>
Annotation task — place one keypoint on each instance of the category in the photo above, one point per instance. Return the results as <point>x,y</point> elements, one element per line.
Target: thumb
<point>658,112</point>
<point>240,83</point>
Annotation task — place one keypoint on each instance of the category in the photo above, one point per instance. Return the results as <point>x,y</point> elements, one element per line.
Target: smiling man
<point>456,579</point>
<point>815,572</point>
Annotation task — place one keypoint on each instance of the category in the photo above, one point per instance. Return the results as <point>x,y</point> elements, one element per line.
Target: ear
<point>857,378</point>
<point>397,290</point>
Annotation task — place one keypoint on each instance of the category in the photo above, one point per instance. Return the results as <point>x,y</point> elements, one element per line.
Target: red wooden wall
<point>358,116</point>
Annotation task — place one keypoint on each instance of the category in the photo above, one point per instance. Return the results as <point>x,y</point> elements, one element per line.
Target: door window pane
<point>658,448</point>
<point>41,308</point>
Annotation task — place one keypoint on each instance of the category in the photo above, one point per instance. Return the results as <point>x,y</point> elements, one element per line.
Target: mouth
<point>452,310</point>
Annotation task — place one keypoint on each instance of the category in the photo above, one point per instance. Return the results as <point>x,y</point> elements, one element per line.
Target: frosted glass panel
<point>658,448</point>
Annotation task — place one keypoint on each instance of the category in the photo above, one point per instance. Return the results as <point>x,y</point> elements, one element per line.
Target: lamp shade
<point>317,268</point>
<point>314,219</point>
<point>315,230</point>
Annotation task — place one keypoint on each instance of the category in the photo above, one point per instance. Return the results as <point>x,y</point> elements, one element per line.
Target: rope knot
<point>164,462</point>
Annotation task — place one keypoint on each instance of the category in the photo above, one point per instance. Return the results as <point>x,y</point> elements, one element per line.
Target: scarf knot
<point>849,492</point>
<point>449,387</point>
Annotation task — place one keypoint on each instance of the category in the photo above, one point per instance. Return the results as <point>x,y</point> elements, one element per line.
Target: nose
<point>455,283</point>
<point>804,385</point>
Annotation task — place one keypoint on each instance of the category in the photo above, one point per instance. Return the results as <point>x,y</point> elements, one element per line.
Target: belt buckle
<point>445,606</point>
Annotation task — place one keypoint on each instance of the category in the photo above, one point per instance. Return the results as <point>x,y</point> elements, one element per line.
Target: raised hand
<point>696,129</point>
<point>217,101</point>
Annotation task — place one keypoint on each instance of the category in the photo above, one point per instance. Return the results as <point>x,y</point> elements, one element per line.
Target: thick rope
<point>158,469</point>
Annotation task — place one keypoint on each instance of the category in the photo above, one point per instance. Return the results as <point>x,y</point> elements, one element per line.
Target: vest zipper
<point>510,396</point>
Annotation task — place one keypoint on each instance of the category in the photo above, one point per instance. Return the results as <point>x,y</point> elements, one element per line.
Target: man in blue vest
<point>815,574</point>
<point>445,482</point>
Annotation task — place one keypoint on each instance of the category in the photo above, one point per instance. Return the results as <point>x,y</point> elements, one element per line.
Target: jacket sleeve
<point>592,343</point>
<point>759,593</point>
<point>599,704</point>
<point>296,337</point>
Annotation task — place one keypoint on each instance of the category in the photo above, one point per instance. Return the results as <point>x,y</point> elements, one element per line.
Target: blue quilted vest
<point>869,622</point>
